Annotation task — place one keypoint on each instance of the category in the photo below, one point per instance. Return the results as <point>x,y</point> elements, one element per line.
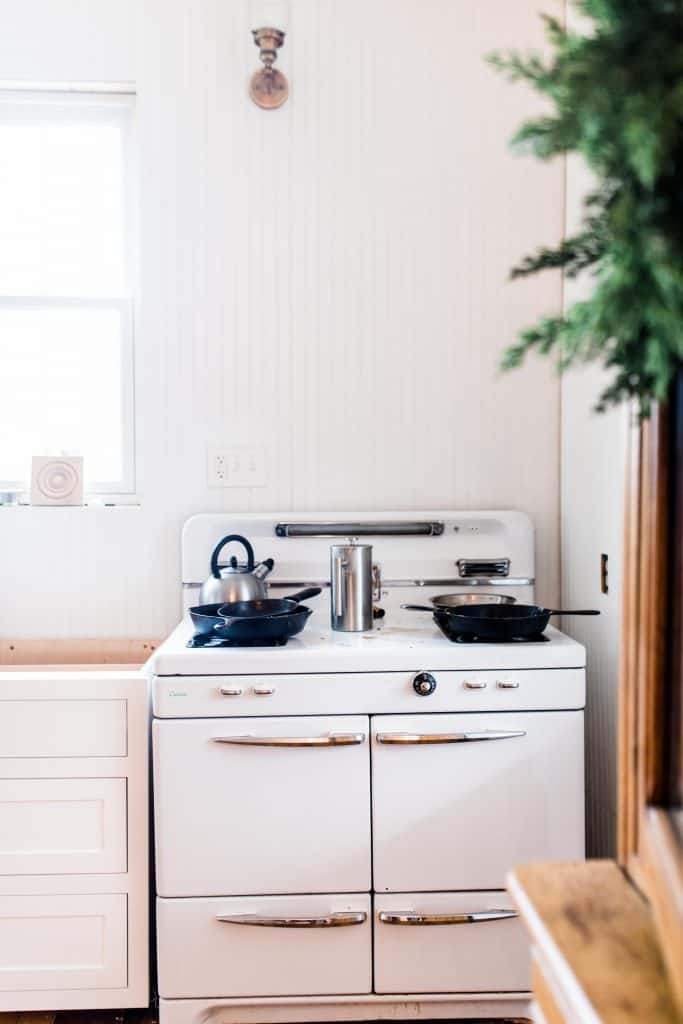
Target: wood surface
<point>51,652</point>
<point>597,943</point>
<point>651,687</point>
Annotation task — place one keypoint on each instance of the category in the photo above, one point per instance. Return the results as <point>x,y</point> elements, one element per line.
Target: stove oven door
<point>458,800</point>
<point>262,806</point>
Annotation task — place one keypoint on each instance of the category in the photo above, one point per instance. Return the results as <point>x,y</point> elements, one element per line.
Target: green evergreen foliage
<point>616,96</point>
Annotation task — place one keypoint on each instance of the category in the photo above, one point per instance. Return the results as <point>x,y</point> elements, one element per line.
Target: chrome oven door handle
<point>409,918</point>
<point>415,738</point>
<point>333,739</point>
<point>329,921</point>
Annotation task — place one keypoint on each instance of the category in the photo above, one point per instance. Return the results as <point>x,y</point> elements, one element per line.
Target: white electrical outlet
<point>236,466</point>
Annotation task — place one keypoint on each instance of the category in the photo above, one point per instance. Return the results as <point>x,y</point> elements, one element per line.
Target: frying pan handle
<point>559,611</point>
<point>215,571</point>
<point>303,595</point>
<point>417,608</point>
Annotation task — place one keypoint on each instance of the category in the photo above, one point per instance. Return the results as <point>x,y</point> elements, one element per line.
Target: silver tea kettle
<point>237,581</point>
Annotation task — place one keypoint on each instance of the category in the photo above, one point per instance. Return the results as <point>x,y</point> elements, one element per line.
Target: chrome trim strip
<point>416,528</point>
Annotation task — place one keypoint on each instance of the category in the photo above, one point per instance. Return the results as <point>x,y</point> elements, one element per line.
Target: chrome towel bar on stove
<point>415,738</point>
<point>330,921</point>
<point>409,918</point>
<point>333,739</point>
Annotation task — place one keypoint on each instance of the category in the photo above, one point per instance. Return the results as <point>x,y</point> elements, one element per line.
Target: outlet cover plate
<point>236,466</point>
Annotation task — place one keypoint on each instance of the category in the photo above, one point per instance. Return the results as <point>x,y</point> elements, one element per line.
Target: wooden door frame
<point>649,844</point>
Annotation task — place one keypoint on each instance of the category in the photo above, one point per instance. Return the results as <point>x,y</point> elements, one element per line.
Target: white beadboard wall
<point>592,499</point>
<point>328,279</point>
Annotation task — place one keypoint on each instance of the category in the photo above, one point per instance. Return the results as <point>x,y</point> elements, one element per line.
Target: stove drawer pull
<point>330,921</point>
<point>408,918</point>
<point>414,738</point>
<point>333,739</point>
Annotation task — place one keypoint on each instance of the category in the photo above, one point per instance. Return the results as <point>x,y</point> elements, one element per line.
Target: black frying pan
<point>266,605</point>
<point>207,620</point>
<point>264,628</point>
<point>498,622</point>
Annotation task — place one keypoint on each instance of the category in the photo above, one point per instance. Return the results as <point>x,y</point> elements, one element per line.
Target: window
<point>66,310</point>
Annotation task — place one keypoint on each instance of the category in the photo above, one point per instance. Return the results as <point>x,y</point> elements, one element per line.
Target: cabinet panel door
<point>52,942</point>
<point>458,800</point>
<point>480,949</point>
<point>302,945</point>
<point>62,728</point>
<point>262,805</point>
<point>62,826</point>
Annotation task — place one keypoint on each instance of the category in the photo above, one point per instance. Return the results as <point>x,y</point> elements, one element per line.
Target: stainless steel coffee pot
<point>236,581</point>
<point>351,587</point>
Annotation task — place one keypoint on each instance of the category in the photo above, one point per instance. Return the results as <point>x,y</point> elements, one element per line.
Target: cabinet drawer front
<point>449,942</point>
<point>62,942</point>
<point>265,946</point>
<point>258,806</point>
<point>62,826</point>
<point>458,800</point>
<point>62,728</point>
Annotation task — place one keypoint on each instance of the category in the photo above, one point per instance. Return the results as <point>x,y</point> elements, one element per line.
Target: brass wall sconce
<point>268,87</point>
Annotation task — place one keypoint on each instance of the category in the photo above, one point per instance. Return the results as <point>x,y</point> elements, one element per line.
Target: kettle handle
<point>215,571</point>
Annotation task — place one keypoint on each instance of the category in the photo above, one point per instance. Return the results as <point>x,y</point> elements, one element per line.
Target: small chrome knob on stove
<point>424,683</point>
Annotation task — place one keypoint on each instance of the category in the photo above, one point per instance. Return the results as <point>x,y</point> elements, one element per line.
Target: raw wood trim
<point>597,943</point>
<point>627,820</point>
<point>662,864</point>
<point>60,653</point>
<point>545,997</point>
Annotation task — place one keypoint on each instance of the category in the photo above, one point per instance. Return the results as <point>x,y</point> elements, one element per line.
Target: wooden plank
<point>662,863</point>
<point>63,653</point>
<point>596,939</point>
<point>627,769</point>
<point>545,997</point>
<point>27,1018</point>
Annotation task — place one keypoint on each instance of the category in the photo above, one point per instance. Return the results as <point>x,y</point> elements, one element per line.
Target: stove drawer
<point>450,942</point>
<point>458,800</point>
<point>266,946</point>
<point>262,806</point>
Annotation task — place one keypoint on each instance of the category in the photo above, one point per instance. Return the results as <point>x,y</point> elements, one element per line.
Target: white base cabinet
<point>74,892</point>
<point>65,942</point>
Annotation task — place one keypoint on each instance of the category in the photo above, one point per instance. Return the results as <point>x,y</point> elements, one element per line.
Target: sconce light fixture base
<point>268,88</point>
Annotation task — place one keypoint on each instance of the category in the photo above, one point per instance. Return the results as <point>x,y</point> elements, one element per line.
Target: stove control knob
<point>424,684</point>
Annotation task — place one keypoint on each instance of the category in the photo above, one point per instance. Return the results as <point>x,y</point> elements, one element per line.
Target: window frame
<point>73,106</point>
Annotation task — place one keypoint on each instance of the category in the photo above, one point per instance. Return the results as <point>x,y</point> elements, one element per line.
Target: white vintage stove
<point>332,843</point>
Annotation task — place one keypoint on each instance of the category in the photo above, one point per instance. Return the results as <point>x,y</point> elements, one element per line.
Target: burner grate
<point>470,638</point>
<point>202,640</point>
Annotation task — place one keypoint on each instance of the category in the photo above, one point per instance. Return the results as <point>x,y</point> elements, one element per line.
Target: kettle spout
<point>263,569</point>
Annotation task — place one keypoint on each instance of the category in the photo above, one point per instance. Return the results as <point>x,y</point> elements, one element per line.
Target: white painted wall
<point>592,501</point>
<point>328,279</point>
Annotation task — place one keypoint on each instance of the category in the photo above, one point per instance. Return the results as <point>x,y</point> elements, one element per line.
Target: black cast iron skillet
<point>264,628</point>
<point>497,622</point>
<point>266,605</point>
<point>206,619</point>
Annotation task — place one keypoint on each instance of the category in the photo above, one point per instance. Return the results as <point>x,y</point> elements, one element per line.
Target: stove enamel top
<point>397,643</point>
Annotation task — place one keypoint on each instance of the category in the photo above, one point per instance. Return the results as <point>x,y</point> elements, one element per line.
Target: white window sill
<point>92,504</point>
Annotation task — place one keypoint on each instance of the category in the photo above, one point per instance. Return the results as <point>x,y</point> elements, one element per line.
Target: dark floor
<point>123,1017</point>
<point>83,1017</point>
